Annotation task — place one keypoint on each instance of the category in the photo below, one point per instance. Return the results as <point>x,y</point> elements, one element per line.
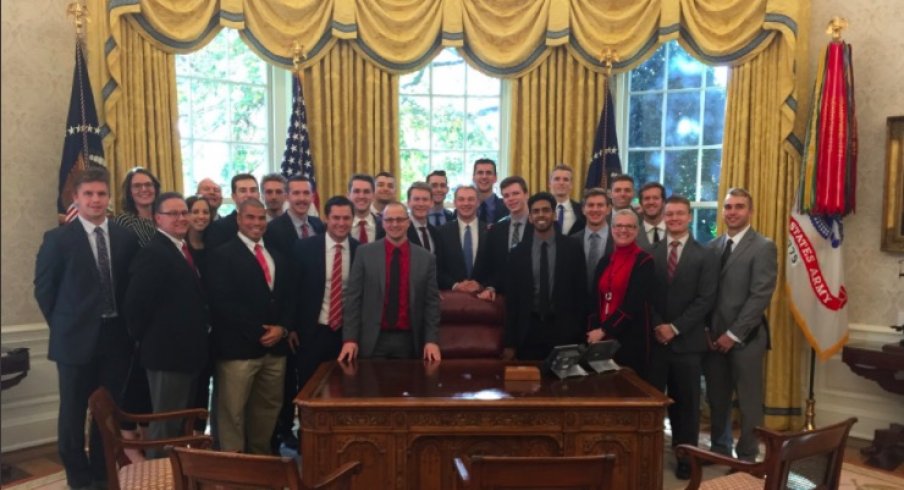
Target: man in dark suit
<point>250,289</point>
<point>81,274</point>
<point>391,305</point>
<point>652,229</point>
<point>460,241</point>
<point>439,187</point>
<point>569,218</point>
<point>319,311</point>
<point>738,333</point>
<point>273,190</point>
<point>503,237</point>
<point>366,227</point>
<point>546,300</point>
<point>214,195</point>
<point>282,235</point>
<point>244,186</point>
<point>421,232</point>
<point>686,282</point>
<point>492,209</point>
<point>596,237</point>
<point>166,313</point>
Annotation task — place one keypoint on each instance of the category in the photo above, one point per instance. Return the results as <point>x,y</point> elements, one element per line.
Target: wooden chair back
<point>108,416</point>
<point>813,456</point>
<point>547,473</point>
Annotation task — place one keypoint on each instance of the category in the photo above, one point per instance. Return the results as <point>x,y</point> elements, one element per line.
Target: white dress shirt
<point>330,244</point>
<point>370,224</point>
<point>648,229</point>
<point>568,217</point>
<point>270,264</point>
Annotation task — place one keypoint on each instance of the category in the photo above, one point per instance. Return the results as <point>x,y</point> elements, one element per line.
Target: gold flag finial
<point>297,55</point>
<point>836,25</point>
<point>607,57</point>
<point>80,15</point>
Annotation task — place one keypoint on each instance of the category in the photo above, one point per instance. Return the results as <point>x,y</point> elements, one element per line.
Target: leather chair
<point>507,472</point>
<point>808,459</point>
<point>122,473</point>
<point>196,469</point>
<point>470,327</point>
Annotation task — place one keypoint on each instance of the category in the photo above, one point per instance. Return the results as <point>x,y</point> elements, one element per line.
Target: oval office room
<point>364,295</point>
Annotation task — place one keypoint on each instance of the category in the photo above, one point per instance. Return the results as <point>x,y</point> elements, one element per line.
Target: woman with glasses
<point>624,281</point>
<point>139,189</point>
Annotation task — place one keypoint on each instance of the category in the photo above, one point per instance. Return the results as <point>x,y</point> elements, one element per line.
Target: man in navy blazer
<point>421,232</point>
<point>491,209</point>
<point>569,216</point>
<point>439,188</point>
<point>318,317</point>
<point>166,313</point>
<point>81,274</point>
<point>244,186</point>
<point>455,269</point>
<point>503,237</point>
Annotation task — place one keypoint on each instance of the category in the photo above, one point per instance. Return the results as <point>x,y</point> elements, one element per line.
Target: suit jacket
<point>687,300</point>
<point>500,211</point>
<point>221,231</point>
<point>281,234</point>
<point>579,220</point>
<point>450,258</point>
<point>67,289</point>
<point>241,302</point>
<point>493,266</point>
<point>642,240</point>
<point>569,293</point>
<point>414,236</point>
<point>166,309</point>
<point>448,213</point>
<point>310,263</point>
<point>610,244</point>
<point>363,308</point>
<point>746,283</point>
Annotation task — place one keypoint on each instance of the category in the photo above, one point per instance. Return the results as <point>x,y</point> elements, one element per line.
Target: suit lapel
<point>739,249</point>
<point>80,238</point>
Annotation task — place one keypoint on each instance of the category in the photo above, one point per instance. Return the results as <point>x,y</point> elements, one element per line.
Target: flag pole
<point>298,57</point>
<point>607,56</point>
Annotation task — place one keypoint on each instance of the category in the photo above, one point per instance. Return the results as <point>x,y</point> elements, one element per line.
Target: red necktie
<point>673,258</point>
<point>362,232</point>
<point>262,261</point>
<point>188,258</point>
<point>304,230</point>
<point>336,290</point>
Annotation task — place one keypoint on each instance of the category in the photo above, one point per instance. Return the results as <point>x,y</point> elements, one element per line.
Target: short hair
<point>274,177</point>
<point>484,161</point>
<point>362,178</point>
<point>337,201</point>
<point>384,174</point>
<point>594,192</point>
<point>678,199</point>
<point>191,200</point>
<point>622,178</point>
<point>423,186</point>
<point>166,196</point>
<point>740,192</point>
<point>254,203</point>
<point>624,212</point>
<point>512,180</point>
<point>244,176</point>
<point>92,174</point>
<point>128,202</point>
<point>437,173</point>
<point>561,166</point>
<point>394,203</point>
<point>298,178</point>
<point>651,185</point>
<point>542,196</point>
<point>465,187</point>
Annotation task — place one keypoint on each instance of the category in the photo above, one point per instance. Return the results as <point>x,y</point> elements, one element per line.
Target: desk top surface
<point>476,381</point>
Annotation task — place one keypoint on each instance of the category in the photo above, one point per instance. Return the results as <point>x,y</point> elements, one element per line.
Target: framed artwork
<point>893,216</point>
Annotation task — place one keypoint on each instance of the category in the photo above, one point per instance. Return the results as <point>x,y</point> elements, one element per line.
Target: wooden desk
<point>406,422</point>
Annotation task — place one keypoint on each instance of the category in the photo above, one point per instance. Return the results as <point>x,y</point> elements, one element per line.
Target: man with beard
<point>384,193</point>
<point>652,199</point>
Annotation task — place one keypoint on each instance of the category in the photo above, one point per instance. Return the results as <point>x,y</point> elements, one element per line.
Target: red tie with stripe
<point>259,254</point>
<point>336,290</point>
<point>673,258</point>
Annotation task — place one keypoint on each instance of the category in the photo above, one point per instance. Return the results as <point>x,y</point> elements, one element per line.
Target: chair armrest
<point>193,413</point>
<point>697,456</point>
<point>341,475</point>
<point>202,442</point>
<point>464,473</point>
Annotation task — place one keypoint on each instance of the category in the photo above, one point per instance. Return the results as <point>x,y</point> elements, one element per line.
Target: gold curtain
<point>353,115</point>
<point>755,156</point>
<point>555,110</point>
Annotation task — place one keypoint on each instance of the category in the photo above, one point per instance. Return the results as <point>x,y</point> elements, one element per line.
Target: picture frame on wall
<point>893,204</point>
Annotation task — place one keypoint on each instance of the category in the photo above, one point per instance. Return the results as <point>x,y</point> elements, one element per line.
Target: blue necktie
<point>561,218</point>
<point>468,249</point>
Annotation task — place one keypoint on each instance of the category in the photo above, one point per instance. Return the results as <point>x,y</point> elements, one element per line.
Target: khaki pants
<point>249,396</point>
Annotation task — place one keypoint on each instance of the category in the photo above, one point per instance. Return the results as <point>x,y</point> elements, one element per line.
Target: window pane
<point>209,111</point>
<point>210,159</point>
<point>483,123</point>
<point>644,166</point>
<point>414,164</point>
<point>210,62</point>
<point>683,120</point>
<point>681,173</point>
<point>480,84</point>
<point>705,225</point>
<point>249,113</point>
<point>717,76</point>
<point>709,175</point>
<point>649,75</point>
<point>183,91</point>
<point>249,158</point>
<point>684,71</point>
<point>645,120</point>
<point>448,73</point>
<point>450,161</point>
<point>415,83</point>
<point>448,128</point>
<point>245,66</point>
<point>414,121</point>
<point>714,117</point>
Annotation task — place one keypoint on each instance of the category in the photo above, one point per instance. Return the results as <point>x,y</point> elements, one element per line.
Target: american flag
<point>297,158</point>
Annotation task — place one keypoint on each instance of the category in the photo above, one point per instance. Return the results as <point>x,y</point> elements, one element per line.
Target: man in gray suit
<point>738,334</point>
<point>392,299</point>
<point>652,229</point>
<point>686,281</point>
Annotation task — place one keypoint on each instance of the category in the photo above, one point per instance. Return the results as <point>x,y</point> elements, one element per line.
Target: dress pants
<point>678,374</point>
<point>170,390</point>
<point>77,381</point>
<point>322,345</point>
<point>394,344</point>
<point>739,370</point>
<point>249,396</point>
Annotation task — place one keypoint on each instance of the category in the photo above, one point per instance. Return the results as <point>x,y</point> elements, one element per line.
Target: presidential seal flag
<point>82,145</point>
<point>604,163</point>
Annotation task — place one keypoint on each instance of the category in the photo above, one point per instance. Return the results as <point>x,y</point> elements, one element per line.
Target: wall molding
<point>28,411</point>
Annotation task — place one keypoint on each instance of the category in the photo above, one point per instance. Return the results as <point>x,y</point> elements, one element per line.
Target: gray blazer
<point>363,308</point>
<point>746,283</point>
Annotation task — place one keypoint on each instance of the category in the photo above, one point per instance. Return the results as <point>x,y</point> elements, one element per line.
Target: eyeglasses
<point>143,185</point>
<point>395,221</point>
<point>624,227</point>
<point>175,214</point>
